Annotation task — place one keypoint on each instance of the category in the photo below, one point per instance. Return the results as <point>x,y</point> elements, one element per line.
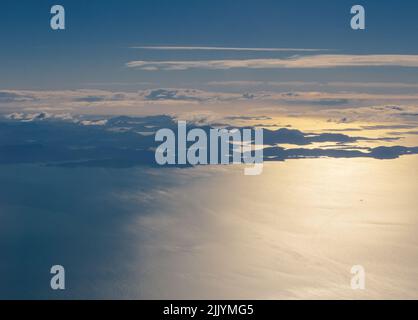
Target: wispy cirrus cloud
<point>312,61</point>
<point>207,48</point>
<point>326,84</point>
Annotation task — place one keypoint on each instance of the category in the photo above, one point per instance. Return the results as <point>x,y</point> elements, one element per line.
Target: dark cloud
<point>389,127</point>
<point>343,130</point>
<point>396,108</point>
<point>280,154</point>
<point>255,118</point>
<point>400,133</point>
<point>100,98</point>
<point>118,143</point>
<point>291,94</point>
<point>408,114</point>
<point>249,96</point>
<point>90,99</point>
<point>320,102</point>
<point>165,94</point>
<point>293,136</point>
<point>8,97</point>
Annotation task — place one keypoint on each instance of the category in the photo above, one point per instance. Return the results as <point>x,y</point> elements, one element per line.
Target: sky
<point>291,63</point>
<point>98,42</point>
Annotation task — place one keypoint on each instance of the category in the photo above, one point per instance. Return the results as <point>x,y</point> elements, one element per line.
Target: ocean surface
<point>211,232</point>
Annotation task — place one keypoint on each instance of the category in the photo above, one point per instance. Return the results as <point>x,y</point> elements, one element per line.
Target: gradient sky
<point>99,36</point>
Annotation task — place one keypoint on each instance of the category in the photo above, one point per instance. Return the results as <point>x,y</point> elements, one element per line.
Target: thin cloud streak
<point>297,62</point>
<point>203,48</point>
<point>338,84</point>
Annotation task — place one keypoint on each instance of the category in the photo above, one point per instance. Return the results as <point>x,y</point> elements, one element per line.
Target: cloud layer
<point>310,61</point>
<point>123,142</point>
<point>337,107</point>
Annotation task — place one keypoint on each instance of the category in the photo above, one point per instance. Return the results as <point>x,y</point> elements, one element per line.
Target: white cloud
<point>213,105</point>
<point>313,61</point>
<point>334,84</point>
<point>205,48</point>
<point>101,122</point>
<point>29,117</point>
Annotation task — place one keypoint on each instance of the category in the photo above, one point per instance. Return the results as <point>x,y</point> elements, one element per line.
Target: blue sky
<point>96,45</point>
